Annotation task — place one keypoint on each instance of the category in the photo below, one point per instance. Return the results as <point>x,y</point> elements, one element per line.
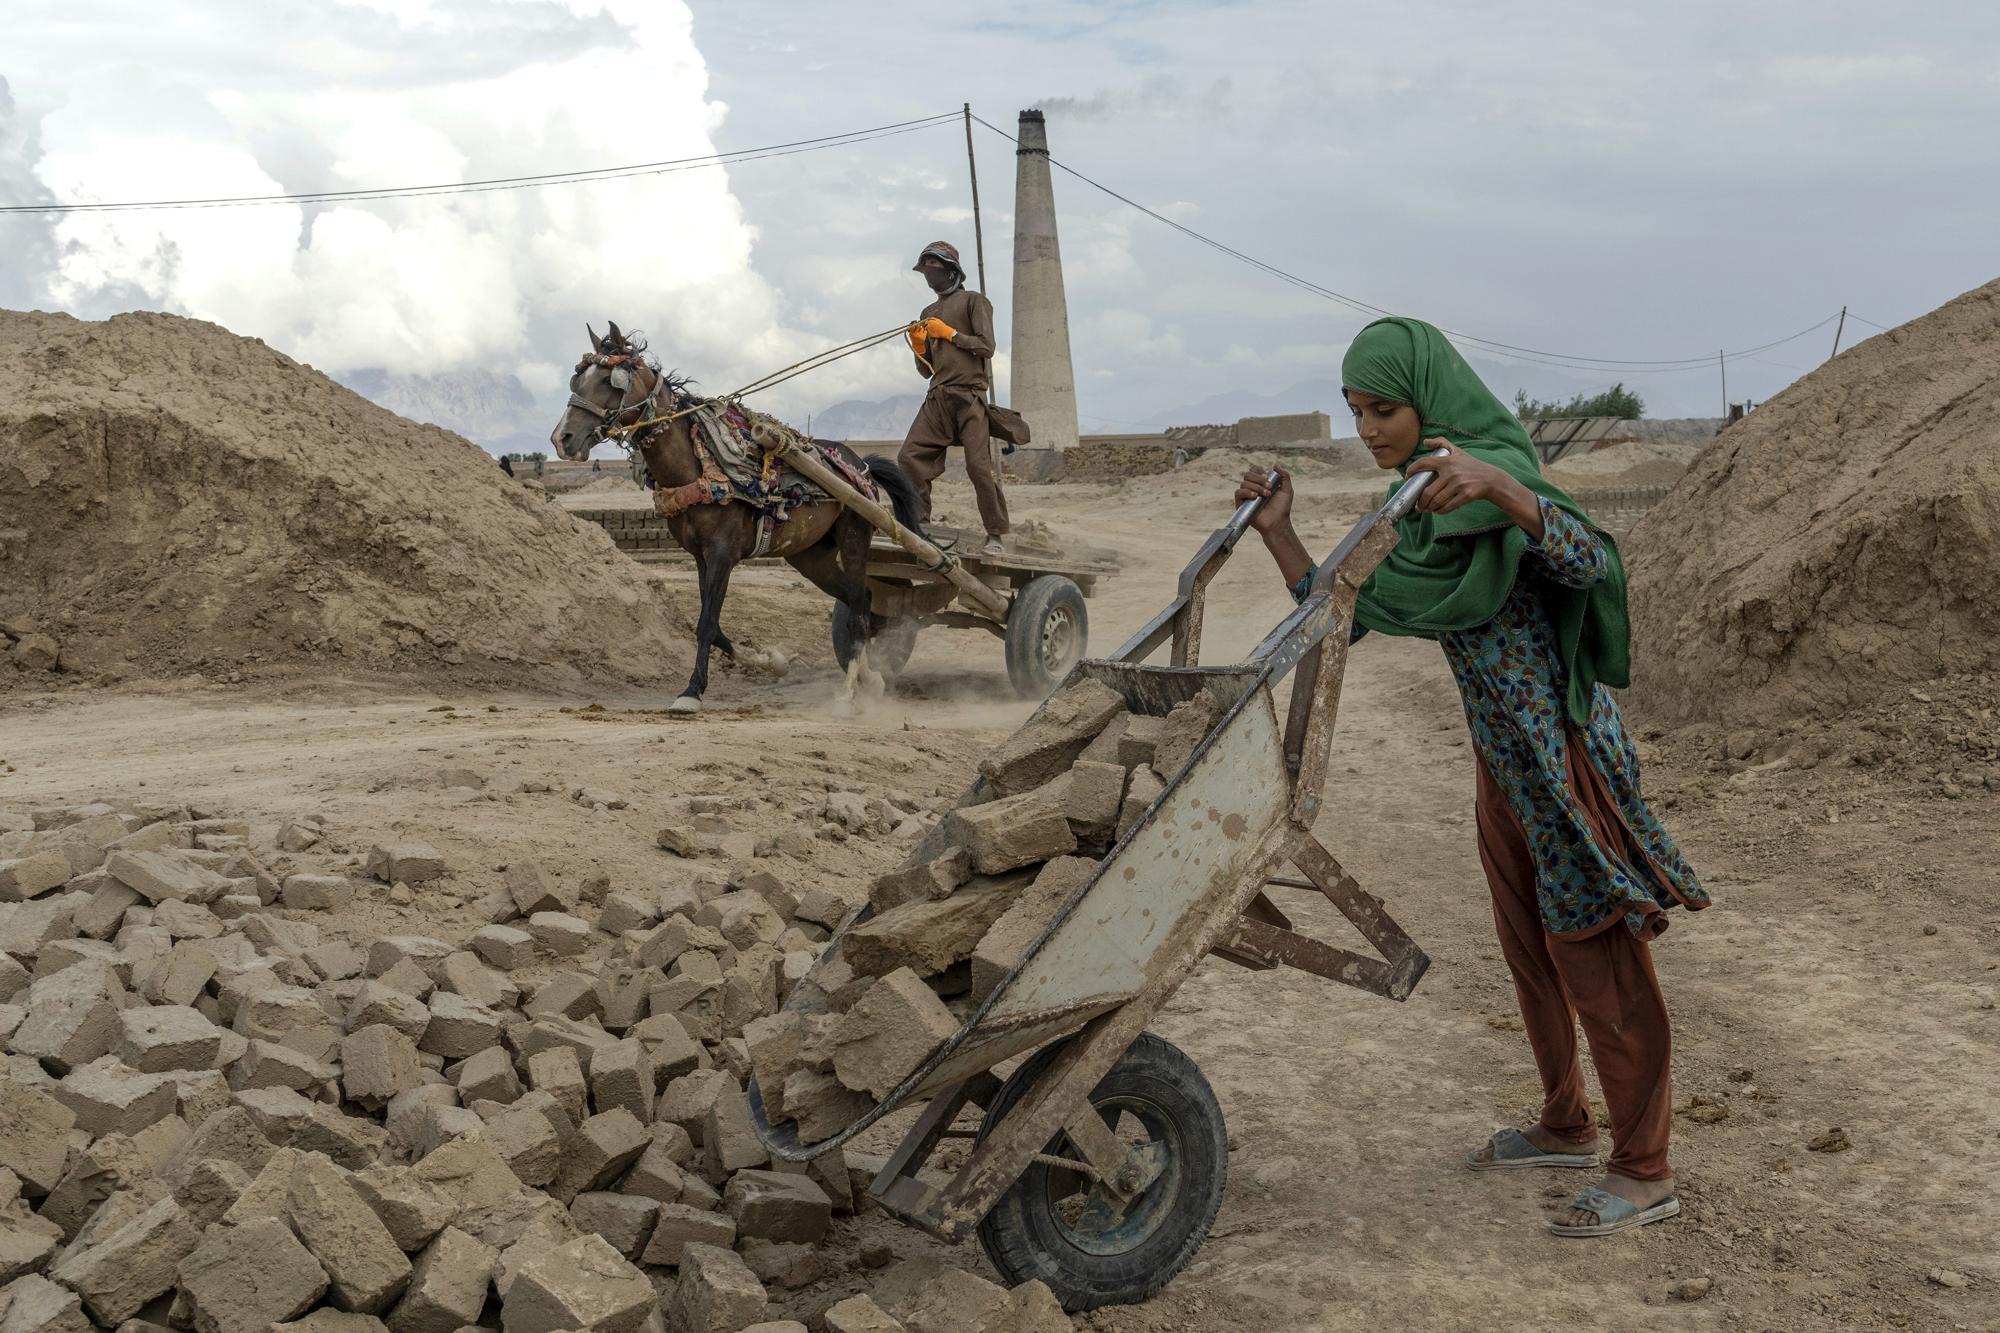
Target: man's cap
<point>944,250</point>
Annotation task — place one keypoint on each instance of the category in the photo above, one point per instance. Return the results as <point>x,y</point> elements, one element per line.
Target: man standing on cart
<point>953,342</point>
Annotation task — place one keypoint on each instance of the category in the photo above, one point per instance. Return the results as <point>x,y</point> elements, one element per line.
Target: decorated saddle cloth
<point>738,465</point>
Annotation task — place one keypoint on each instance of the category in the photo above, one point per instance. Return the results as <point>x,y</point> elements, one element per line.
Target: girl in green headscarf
<point>1527,598</point>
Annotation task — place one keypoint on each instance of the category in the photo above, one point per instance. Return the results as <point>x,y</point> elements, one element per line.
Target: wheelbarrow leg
<point>896,1185</point>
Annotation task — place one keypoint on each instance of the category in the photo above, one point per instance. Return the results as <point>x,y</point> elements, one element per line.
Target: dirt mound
<point>175,498</point>
<point>1840,543</point>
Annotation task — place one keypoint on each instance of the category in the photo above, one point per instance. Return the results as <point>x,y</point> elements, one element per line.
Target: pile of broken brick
<point>952,921</point>
<point>215,1115</point>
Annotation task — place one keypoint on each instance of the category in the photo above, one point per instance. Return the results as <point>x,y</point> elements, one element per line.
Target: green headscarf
<point>1453,571</point>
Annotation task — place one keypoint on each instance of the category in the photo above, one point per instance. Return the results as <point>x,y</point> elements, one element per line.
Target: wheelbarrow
<point>1098,1162</point>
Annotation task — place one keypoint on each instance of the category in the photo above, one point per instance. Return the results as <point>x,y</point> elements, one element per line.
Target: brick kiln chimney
<point>1044,386</point>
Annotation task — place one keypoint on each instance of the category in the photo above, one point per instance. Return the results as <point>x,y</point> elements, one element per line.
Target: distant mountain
<point>860,419</point>
<point>494,411</point>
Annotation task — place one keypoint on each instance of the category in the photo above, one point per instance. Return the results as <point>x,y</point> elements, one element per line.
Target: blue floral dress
<point>1512,682</point>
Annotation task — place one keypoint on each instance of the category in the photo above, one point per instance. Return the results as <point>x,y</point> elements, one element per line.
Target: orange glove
<point>920,341</point>
<point>940,330</point>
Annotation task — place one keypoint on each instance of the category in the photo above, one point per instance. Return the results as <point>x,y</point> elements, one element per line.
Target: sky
<point>1614,181</point>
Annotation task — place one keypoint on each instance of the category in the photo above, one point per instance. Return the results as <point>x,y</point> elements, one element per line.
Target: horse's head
<point>615,385</point>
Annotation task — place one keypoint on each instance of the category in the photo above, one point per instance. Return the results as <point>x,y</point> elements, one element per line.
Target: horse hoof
<point>685,706</point>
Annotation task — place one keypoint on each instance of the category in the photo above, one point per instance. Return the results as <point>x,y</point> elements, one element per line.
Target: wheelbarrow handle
<point>1248,509</point>
<point>1406,495</point>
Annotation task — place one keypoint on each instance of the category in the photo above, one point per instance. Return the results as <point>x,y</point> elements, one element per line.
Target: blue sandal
<point>1615,1214</point>
<point>1511,1149</point>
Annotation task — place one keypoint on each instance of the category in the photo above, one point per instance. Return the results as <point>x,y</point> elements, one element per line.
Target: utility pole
<point>972,167</point>
<point>1721,366</point>
<point>1836,333</point>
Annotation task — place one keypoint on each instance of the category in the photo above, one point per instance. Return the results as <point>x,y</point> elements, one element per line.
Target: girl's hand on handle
<point>1276,511</point>
<point>1461,479</point>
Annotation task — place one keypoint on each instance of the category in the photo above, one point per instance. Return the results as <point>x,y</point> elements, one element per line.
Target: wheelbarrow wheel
<point>1047,632</point>
<point>1057,1226</point>
<point>890,642</point>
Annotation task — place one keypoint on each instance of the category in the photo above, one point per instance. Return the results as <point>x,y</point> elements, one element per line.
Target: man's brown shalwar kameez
<point>954,411</point>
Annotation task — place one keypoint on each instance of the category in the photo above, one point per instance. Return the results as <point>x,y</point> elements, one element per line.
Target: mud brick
<point>742,918</point>
<point>534,890</point>
<point>686,1101</point>
<point>406,1117</point>
<point>459,1028</point>
<point>1138,746</point>
<point>860,1314</point>
<point>487,1075</point>
<point>118,1274</point>
<point>1012,831</point>
<point>316,893</point>
<point>230,1135</point>
<point>462,973</point>
<point>775,1205</point>
<point>448,1285</point>
<point>422,950</point>
<point>377,1002</point>
<point>377,1062</point>
<point>716,1292</point>
<point>558,1072</point>
<point>889,1032</point>
<point>326,1319</point>
<point>1053,738</point>
<point>696,1001</point>
<point>750,990</point>
<point>677,1226</point>
<point>245,1279</point>
<point>784,1264</point>
<point>768,886</point>
<point>405,862</point>
<point>156,1040</point>
<point>203,1093</point>
<point>58,955</point>
<point>34,1133</point>
<point>109,1098</point>
<point>821,1105</point>
<point>267,1064</point>
<point>1003,944</point>
<point>181,976</point>
<point>31,876</point>
<point>569,994</point>
<point>1144,789</point>
<point>624,1220</point>
<point>210,1190</point>
<point>72,1017</point>
<point>493,1205</point>
<point>30,925</point>
<point>584,1285</point>
<point>936,1297</point>
<point>349,1140</point>
<point>1096,793</point>
<point>27,1243</point>
<point>408,978</point>
<point>159,876</point>
<point>600,1151</point>
<point>1184,729</point>
<point>625,911</point>
<point>186,921</point>
<point>530,1145</point>
<point>277,935</point>
<point>363,1263</point>
<point>822,907</point>
<point>442,1124</point>
<point>14,979</point>
<point>103,912</point>
<point>729,1140</point>
<point>335,960</point>
<point>33,1304</point>
<point>503,946</point>
<point>921,881</point>
<point>782,1044</point>
<point>621,1075</point>
<point>275,1013</point>
<point>412,1210</point>
<point>674,936</point>
<point>559,933</point>
<point>656,1175</point>
<point>929,937</point>
<point>546,1034</point>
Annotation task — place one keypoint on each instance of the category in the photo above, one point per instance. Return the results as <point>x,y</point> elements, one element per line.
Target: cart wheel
<point>1047,632</point>
<point>890,642</point>
<point>1057,1226</point>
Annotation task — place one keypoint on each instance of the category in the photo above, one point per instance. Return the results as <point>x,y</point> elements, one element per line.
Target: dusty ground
<point>1847,975</point>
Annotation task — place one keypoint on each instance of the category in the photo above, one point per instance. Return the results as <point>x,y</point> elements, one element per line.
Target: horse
<point>617,386</point>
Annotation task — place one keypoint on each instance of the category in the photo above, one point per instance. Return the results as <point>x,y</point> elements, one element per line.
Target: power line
<point>729,158</point>
<point>1870,323</point>
<point>1534,356</point>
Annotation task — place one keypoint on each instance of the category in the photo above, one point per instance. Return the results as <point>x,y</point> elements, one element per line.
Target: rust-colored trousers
<point>948,417</point>
<point>1606,980</point>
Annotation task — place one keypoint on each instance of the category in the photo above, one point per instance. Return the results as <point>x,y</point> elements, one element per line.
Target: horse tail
<point>902,493</point>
